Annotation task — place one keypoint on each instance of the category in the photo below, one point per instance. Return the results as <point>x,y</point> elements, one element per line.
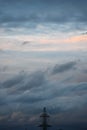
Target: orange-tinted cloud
<point>76,39</point>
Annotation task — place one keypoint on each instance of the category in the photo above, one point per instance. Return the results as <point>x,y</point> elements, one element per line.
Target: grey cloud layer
<point>26,93</point>
<point>25,12</point>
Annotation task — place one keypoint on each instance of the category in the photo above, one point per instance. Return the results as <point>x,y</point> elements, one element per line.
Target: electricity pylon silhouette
<point>44,116</point>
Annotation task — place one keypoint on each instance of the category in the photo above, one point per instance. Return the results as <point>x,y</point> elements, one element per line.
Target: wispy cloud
<point>63,67</point>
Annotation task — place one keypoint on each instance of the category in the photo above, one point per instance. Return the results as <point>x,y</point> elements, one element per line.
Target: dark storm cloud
<point>37,87</point>
<point>46,94</point>
<point>74,99</point>
<point>12,82</point>
<point>63,67</point>
<point>22,96</point>
<point>24,81</point>
<point>36,82</point>
<point>25,12</point>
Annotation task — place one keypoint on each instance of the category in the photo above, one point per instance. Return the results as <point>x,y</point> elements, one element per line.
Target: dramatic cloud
<point>25,94</point>
<point>43,62</point>
<point>29,13</point>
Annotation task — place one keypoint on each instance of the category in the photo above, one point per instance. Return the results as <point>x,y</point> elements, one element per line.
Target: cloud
<point>24,81</point>
<point>61,101</point>
<point>63,67</point>
<point>84,33</point>
<point>26,94</point>
<point>18,116</point>
<point>26,42</point>
<point>29,13</point>
<point>3,118</point>
<point>12,82</point>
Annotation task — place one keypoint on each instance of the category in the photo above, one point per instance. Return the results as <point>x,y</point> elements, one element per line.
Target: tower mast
<point>44,117</point>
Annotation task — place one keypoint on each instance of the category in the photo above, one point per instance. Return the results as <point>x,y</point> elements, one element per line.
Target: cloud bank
<point>25,95</point>
<point>28,13</point>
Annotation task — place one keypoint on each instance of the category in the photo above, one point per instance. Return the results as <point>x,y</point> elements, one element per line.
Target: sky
<point>43,63</point>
